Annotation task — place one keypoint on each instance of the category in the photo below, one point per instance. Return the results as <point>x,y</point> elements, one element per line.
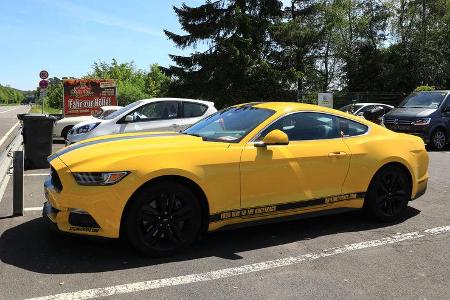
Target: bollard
<point>18,183</point>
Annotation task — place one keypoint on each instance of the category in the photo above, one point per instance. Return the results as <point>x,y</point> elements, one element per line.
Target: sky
<point>65,37</point>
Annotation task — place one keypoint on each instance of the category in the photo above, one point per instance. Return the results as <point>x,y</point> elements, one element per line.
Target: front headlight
<point>421,122</point>
<point>99,178</point>
<point>86,128</point>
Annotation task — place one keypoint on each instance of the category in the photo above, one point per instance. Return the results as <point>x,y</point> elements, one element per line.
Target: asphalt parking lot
<point>341,256</point>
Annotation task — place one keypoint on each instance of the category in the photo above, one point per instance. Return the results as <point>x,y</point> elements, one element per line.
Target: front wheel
<point>163,218</point>
<point>388,194</point>
<point>438,140</point>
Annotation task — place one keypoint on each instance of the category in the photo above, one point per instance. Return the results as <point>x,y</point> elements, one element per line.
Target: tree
<point>54,95</point>
<point>132,83</point>
<point>235,67</point>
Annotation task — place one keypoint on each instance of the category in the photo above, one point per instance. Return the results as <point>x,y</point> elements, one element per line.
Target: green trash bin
<point>37,132</point>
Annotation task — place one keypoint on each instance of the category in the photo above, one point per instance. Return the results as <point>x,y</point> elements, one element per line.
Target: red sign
<point>43,84</point>
<point>43,74</point>
<point>83,97</point>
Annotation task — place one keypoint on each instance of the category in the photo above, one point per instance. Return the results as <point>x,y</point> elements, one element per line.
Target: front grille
<point>55,180</point>
<point>82,220</point>
<point>396,121</point>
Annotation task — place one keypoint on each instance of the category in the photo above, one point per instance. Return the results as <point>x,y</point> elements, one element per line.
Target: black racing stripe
<point>273,209</point>
<point>112,139</point>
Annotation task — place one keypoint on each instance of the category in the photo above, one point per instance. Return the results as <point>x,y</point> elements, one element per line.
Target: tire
<point>438,139</point>
<point>388,194</point>
<point>163,219</point>
<point>65,131</point>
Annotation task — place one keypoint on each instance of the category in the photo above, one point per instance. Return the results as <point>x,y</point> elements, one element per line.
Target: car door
<point>312,166</point>
<point>446,114</point>
<point>154,116</point>
<point>192,112</point>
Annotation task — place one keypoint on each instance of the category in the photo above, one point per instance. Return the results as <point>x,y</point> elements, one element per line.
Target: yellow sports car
<point>246,164</point>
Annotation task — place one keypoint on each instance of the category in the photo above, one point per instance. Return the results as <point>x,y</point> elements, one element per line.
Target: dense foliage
<point>9,95</point>
<point>260,50</point>
<point>132,83</point>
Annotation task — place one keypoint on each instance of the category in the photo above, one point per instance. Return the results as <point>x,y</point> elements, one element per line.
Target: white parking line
<point>9,132</point>
<point>230,272</point>
<point>32,208</point>
<point>36,174</point>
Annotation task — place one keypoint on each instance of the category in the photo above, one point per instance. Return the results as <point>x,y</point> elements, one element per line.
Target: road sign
<point>43,74</point>
<point>43,84</point>
<point>325,99</point>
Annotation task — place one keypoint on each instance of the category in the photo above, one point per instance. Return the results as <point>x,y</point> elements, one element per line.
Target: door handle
<point>175,125</point>
<point>337,154</point>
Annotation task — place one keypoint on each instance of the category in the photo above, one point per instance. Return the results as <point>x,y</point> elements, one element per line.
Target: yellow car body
<point>239,182</point>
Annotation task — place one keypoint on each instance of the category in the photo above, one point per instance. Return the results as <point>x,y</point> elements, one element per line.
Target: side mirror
<point>275,137</point>
<point>128,119</point>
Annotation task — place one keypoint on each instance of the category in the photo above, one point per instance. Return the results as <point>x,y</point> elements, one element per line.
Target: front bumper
<point>423,133</point>
<point>86,210</point>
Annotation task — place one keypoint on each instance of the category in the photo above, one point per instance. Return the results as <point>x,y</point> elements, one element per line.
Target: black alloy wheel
<point>438,140</point>
<point>388,194</point>
<point>163,219</point>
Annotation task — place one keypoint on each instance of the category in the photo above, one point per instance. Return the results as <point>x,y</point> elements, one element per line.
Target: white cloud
<point>89,15</point>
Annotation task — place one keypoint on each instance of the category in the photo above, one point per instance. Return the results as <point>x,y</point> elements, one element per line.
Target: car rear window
<point>192,110</point>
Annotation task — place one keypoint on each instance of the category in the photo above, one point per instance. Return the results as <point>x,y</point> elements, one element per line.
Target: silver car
<point>157,114</point>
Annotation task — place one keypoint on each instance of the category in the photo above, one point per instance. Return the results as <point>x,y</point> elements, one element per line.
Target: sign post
<point>43,85</point>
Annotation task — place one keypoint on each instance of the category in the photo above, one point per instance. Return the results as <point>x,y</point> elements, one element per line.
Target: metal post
<point>18,183</point>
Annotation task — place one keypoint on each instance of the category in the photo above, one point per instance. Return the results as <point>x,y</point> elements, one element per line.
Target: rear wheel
<point>438,139</point>
<point>163,219</point>
<point>388,194</point>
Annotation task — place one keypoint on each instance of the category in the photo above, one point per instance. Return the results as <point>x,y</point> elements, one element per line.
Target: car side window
<point>364,109</point>
<point>352,128</point>
<point>156,111</point>
<point>192,110</point>
<point>306,126</point>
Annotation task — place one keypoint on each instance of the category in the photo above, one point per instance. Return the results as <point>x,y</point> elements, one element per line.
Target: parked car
<point>358,109</point>
<point>251,163</point>
<point>424,114</point>
<point>157,114</point>
<point>61,127</point>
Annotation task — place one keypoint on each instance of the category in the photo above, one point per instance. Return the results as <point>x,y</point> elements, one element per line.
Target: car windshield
<point>98,114</point>
<point>122,110</point>
<point>424,100</point>
<point>351,108</point>
<point>229,125</point>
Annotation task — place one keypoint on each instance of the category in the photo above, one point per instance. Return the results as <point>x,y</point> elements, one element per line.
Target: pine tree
<point>235,67</point>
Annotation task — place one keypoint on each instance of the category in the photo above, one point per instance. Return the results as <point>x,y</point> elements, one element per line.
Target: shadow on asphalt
<point>33,247</point>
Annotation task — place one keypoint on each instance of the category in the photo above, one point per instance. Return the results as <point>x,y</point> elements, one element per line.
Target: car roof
<point>209,103</point>
<point>370,103</point>
<point>286,107</point>
<point>111,107</point>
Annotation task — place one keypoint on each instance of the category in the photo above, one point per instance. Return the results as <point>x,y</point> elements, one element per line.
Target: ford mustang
<point>247,164</point>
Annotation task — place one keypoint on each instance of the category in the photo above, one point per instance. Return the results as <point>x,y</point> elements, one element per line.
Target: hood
<point>106,152</point>
<point>75,120</point>
<point>410,112</point>
<point>88,121</point>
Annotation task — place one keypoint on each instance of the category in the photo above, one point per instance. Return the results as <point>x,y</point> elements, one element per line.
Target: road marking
<point>36,174</point>
<point>3,186</point>
<point>32,208</point>
<point>246,269</point>
<point>9,132</point>
<point>5,111</point>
